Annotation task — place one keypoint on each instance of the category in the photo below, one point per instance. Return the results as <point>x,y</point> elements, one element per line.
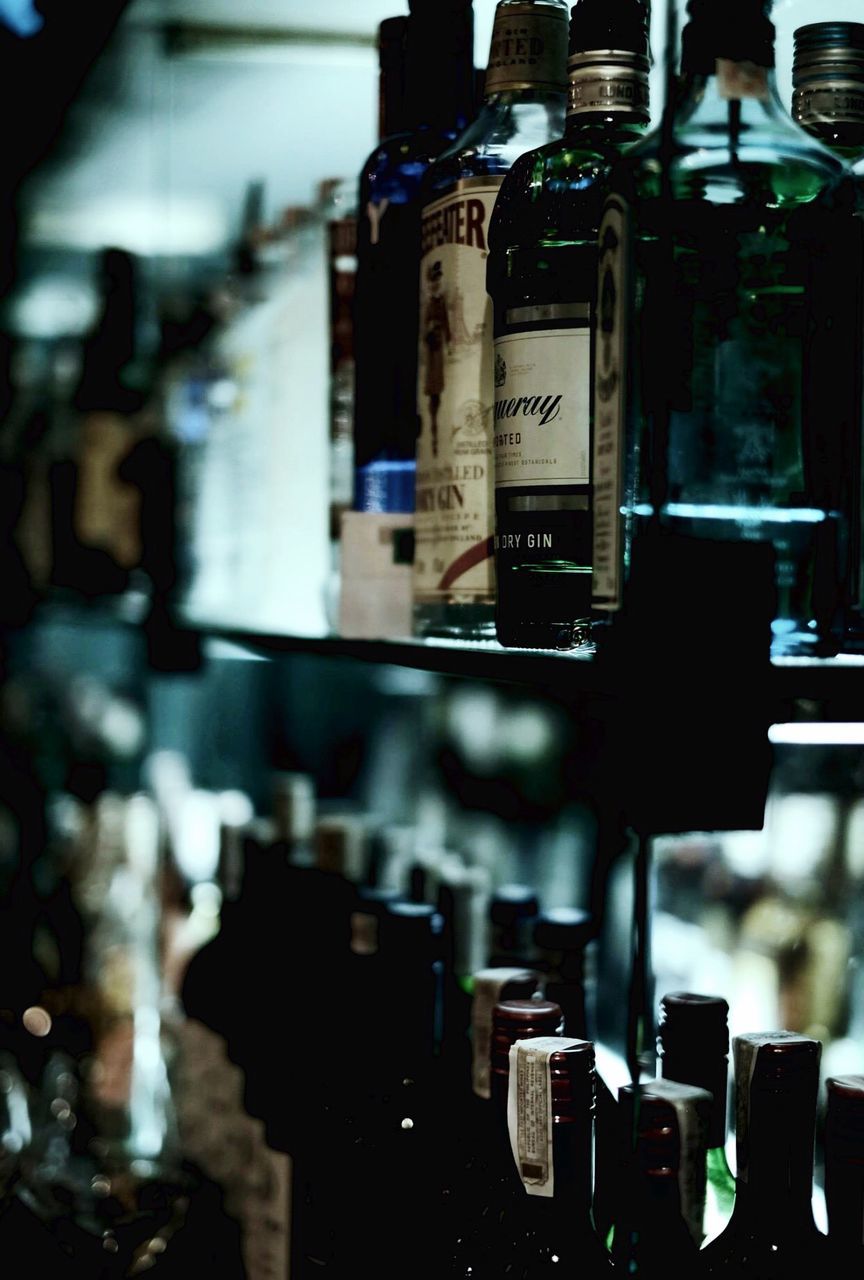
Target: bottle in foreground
<point>772,1234</point>
<point>693,1047</point>
<point>719,394</point>
<point>844,1171</point>
<point>662,1187</point>
<point>550,1112</point>
<point>542,277</point>
<point>485,1211</point>
<point>454,588</point>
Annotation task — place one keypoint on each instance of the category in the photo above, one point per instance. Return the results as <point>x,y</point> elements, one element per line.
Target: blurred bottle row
<point>348,1078</point>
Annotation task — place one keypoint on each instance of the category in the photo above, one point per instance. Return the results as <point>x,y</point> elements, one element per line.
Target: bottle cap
<point>411,928</point>
<point>736,30</point>
<point>514,1020</point>
<point>563,929</point>
<point>341,845</point>
<point>571,1072</point>
<point>293,806</point>
<point>598,25</point>
<point>511,903</point>
<point>778,1062</point>
<point>693,1025</point>
<point>828,73</point>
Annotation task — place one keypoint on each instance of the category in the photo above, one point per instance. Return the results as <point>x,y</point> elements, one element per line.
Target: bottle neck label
<point>529,50</point>
<point>609,406</point>
<point>608,81</point>
<point>829,102</point>
<point>529,1111</point>
<point>454,515</point>
<point>737,80</point>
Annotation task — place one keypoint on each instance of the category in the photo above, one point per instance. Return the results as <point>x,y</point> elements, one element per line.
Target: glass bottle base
<point>544,635</point>
<point>454,621</point>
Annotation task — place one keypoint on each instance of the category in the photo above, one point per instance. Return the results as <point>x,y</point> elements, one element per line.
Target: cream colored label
<point>529,1111</point>
<point>542,406</point>
<point>455,508</point>
<point>488,985</point>
<point>230,1146</point>
<point>529,50</point>
<point>609,406</point>
<point>741,80</point>
<point>692,1107</point>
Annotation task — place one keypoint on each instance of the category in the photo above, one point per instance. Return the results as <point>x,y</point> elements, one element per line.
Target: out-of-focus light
<point>142,223</point>
<point>37,1021</point>
<point>53,307</point>
<point>21,17</point>
<point>235,808</point>
<point>823,733</point>
<point>196,840</point>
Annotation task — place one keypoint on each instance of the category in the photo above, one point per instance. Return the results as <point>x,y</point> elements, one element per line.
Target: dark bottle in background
<point>523,107</point>
<point>512,911</point>
<point>771,1233</point>
<point>658,1217</point>
<point>693,1047</point>
<point>552,1078</point>
<point>436,96</point>
<point>844,1171</point>
<point>542,277</point>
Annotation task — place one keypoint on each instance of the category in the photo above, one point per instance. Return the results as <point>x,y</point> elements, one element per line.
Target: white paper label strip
<point>529,1111</point>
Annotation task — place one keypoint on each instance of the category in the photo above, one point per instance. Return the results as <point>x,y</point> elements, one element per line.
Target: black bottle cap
<point>737,30</point>
<point>563,929</point>
<point>692,1025</point>
<point>513,902</point>
<point>597,24</point>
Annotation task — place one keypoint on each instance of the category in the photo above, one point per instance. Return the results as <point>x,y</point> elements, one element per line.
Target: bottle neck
<point>734,97</point>
<point>439,75</point>
<point>775,1160</point>
<point>704,1072</point>
<point>528,51</point>
<point>650,1230</point>
<point>571,1154</point>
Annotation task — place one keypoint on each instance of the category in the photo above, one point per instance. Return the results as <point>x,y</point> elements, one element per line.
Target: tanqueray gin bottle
<point>542,277</point>
<point>721,287</point>
<point>523,107</point>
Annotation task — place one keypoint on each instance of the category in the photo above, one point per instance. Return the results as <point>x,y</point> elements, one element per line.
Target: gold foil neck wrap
<point>529,50</point>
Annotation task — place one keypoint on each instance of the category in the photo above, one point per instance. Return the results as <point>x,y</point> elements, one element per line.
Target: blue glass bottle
<point>434,99</point>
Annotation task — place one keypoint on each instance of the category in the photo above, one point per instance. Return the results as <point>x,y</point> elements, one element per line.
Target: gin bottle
<point>716,407</point>
<point>542,277</point>
<point>454,588</point>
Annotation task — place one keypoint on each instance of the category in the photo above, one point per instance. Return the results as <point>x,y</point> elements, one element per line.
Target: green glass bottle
<point>542,276</point>
<point>693,1046</point>
<point>717,413</point>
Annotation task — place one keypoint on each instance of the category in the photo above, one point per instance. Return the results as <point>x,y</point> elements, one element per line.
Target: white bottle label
<point>529,1111</point>
<point>609,406</point>
<point>488,985</point>
<point>455,507</point>
<point>542,405</point>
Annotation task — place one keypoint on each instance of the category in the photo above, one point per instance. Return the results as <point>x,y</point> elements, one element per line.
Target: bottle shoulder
<point>769,161</point>
<point>505,129</point>
<point>397,165</point>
